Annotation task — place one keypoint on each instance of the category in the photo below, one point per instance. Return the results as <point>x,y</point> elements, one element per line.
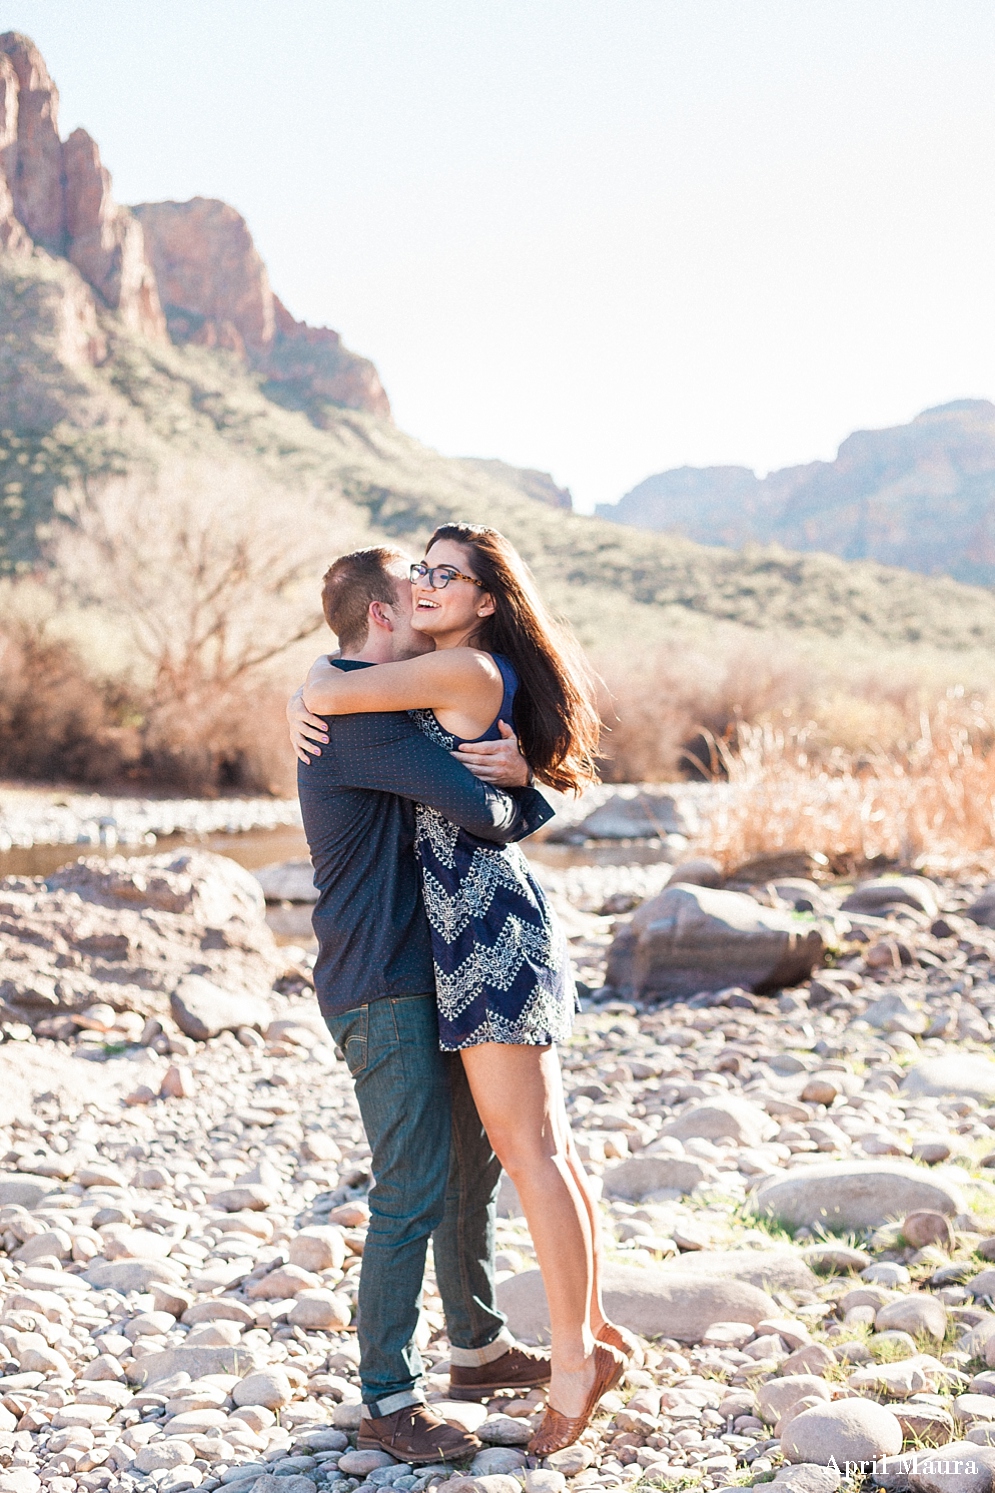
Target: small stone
<point>778,1395</point>
<point>359,1463</point>
<point>640,1175</point>
<point>327,1440</point>
<point>807,1477</point>
<point>320,1311</point>
<point>214,1334</point>
<point>886,1273</point>
<point>958,1467</point>
<point>505,1430</point>
<point>728,1335</point>
<point>177,1083</point>
<point>821,1090</point>
<point>848,1430</point>
<point>348,1415</point>
<point>814,1358</point>
<point>925,1227</point>
<point>131,1275</point>
<point>497,1482</point>
<point>141,1095</point>
<point>270,1387</point>
<point>104,1367</point>
<point>252,1197</point>
<point>285,1281</point>
<point>221,1309</point>
<point>572,1459</point>
<point>202,1010</point>
<point>914,1313</point>
<point>169,1298</point>
<point>45,1361</point>
<point>167,1453</point>
<point>964,1074</point>
<point>19,1480</point>
<point>982,1284</point>
<point>929,1425</point>
<point>99,1174</point>
<point>974,1407</point>
<point>544,1480</point>
<point>895,1380</point>
<point>496,1459</point>
<point>832,1259</point>
<point>318,1247</point>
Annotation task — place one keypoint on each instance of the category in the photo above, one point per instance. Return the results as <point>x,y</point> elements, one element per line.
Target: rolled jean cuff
<point>476,1358</point>
<point>392,1403</point>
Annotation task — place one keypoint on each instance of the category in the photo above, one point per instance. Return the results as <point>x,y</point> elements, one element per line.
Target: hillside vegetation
<point>151,404</point>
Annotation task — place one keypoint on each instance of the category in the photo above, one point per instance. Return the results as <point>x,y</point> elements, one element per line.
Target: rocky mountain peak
<point>216,293</point>
<point>188,272</point>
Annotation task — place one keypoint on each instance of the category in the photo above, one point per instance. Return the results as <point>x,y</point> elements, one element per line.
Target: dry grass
<point>927,802</point>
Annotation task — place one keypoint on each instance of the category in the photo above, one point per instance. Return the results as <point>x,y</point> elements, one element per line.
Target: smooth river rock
<point>855,1194</point>
<point>651,1300</point>
<point>965,1074</point>
<point>689,938</point>
<point>848,1430</point>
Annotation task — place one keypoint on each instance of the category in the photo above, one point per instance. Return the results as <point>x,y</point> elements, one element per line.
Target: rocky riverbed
<point>795,1188</point>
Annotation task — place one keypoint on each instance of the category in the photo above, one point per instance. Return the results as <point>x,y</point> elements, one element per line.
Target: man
<point>433,1168</point>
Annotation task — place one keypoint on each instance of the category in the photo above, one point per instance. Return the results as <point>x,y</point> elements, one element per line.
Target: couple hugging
<point>442,973</point>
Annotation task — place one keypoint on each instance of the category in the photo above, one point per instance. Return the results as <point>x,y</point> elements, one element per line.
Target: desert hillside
<point>135,338</point>
<point>920,495</point>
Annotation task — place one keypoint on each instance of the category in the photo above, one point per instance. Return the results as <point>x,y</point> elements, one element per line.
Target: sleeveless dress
<point>502,970</point>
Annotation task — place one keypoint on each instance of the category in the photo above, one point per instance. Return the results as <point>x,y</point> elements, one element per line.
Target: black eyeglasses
<point>439,576</point>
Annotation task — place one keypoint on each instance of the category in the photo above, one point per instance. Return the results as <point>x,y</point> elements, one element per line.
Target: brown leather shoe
<point>519,1368</point>
<point>558,1430</point>
<point>626,1343</point>
<point>415,1435</point>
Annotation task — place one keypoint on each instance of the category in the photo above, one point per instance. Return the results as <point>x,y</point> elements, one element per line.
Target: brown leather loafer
<point>415,1435</point>
<point>519,1368</point>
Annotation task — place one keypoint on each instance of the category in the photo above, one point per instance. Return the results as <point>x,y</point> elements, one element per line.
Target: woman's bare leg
<point>597,1306</point>
<point>519,1097</point>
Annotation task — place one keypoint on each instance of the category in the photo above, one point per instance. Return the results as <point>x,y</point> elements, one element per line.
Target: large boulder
<point>965,1075</point>
<point>651,1300</point>
<point>770,1269</point>
<point>692,938</point>
<point>132,931</point>
<point>854,1194</point>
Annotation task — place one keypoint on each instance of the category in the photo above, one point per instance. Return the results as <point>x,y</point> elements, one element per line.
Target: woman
<point>505,992</point>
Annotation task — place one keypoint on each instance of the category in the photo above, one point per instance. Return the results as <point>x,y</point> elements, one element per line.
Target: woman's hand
<point>305,728</point>
<point>498,762</point>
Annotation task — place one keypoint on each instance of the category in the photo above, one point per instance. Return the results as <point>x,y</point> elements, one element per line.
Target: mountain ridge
<point>920,496</point>
<point>98,384</point>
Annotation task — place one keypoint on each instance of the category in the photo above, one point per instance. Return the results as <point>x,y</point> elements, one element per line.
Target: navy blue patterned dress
<point>502,971</point>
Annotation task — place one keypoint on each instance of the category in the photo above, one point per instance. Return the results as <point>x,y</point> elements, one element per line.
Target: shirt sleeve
<point>388,754</point>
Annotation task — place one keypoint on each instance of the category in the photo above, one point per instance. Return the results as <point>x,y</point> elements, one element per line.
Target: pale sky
<point>600,237</point>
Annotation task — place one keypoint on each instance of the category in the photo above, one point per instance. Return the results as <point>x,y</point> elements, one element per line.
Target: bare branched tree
<point>213,574</point>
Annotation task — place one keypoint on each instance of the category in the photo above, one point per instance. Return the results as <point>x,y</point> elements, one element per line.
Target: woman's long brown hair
<point>556,719</point>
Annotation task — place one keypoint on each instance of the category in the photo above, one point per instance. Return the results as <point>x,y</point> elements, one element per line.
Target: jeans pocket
<point>350,1034</point>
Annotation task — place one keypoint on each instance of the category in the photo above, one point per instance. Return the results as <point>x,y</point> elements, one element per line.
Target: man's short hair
<point>351,583</point>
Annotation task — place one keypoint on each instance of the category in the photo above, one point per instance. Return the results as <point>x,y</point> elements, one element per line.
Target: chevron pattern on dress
<point>502,967</point>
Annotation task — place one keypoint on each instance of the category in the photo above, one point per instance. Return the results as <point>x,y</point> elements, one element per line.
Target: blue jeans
<point>434,1175</point>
